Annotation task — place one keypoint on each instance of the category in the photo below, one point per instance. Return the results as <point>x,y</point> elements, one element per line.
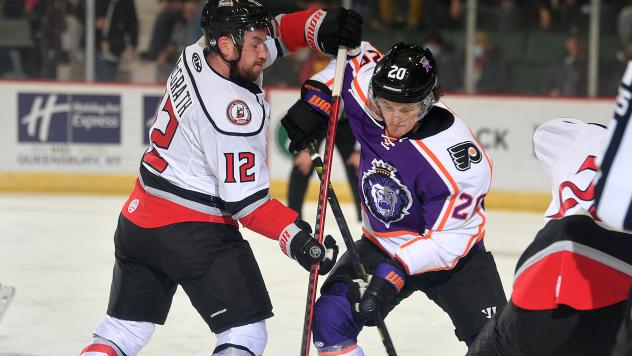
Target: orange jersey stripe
<point>455,188</point>
<point>360,93</point>
<point>356,84</point>
<point>397,233</point>
<point>474,238</point>
<point>407,243</point>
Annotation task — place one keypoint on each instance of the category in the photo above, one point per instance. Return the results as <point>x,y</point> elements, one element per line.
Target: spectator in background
<point>180,38</point>
<point>393,14</point>
<point>499,15</point>
<point>184,29</point>
<point>197,31</point>
<point>48,22</point>
<point>562,14</point>
<point>449,63</point>
<point>13,9</point>
<point>624,25</point>
<point>492,74</point>
<point>568,78</point>
<point>169,14</point>
<point>116,30</point>
<point>441,14</point>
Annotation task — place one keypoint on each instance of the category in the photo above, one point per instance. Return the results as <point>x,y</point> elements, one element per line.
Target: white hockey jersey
<point>207,151</point>
<point>568,150</point>
<point>614,187</point>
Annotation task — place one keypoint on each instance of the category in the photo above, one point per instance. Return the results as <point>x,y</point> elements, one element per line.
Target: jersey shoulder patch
<point>465,154</point>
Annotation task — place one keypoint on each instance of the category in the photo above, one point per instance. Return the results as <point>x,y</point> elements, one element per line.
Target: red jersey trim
<point>292,29</point>
<point>149,211</point>
<point>269,219</point>
<point>100,348</point>
<point>571,279</point>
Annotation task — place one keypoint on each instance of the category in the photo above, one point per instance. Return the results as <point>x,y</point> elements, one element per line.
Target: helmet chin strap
<point>232,64</point>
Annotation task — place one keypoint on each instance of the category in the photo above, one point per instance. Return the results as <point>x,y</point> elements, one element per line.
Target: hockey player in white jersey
<point>204,172</point>
<point>614,188</point>
<point>572,281</point>
<point>423,180</point>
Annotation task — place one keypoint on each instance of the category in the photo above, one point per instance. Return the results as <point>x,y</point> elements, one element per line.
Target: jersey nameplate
<point>178,90</point>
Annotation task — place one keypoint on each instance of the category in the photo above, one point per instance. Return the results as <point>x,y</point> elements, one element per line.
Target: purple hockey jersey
<point>422,195</point>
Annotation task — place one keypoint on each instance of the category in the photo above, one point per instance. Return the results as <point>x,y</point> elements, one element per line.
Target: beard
<point>247,73</point>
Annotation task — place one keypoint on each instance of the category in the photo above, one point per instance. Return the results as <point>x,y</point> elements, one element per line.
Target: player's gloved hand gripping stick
<point>296,242</point>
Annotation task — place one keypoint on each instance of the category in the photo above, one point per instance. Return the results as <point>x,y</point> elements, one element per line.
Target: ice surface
<point>57,251</point>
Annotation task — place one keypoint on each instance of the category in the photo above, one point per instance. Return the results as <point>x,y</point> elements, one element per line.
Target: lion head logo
<point>384,195</point>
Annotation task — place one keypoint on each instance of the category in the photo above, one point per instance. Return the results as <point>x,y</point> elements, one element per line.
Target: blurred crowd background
<point>536,47</point>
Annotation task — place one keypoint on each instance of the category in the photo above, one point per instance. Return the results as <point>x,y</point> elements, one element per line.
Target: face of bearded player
<point>253,55</point>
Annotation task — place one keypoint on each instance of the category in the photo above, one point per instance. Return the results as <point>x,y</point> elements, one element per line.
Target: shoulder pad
<point>231,109</point>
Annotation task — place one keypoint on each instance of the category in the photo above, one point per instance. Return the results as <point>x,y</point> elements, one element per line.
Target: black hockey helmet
<point>406,74</point>
<point>234,18</point>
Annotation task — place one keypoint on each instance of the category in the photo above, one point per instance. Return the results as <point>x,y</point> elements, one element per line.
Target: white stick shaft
<point>341,61</point>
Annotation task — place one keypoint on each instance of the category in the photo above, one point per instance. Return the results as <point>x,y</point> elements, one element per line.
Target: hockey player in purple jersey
<point>423,179</point>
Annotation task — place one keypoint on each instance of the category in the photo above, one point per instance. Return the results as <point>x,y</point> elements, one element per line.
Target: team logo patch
<point>464,154</point>
<point>197,62</point>
<point>385,196</point>
<point>238,113</point>
<point>426,64</point>
<point>133,205</point>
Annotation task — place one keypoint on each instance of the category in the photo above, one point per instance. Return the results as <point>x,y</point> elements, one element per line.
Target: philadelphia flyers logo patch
<point>464,154</point>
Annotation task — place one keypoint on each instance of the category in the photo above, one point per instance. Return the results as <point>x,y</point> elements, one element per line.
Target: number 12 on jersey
<point>246,162</point>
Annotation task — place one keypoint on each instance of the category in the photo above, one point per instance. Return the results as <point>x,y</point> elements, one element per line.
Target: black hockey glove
<point>331,28</point>
<point>306,120</point>
<point>387,281</point>
<point>298,243</point>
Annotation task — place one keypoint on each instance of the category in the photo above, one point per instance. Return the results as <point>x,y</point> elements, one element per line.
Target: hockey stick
<point>6,295</point>
<point>358,268</point>
<point>341,61</point>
